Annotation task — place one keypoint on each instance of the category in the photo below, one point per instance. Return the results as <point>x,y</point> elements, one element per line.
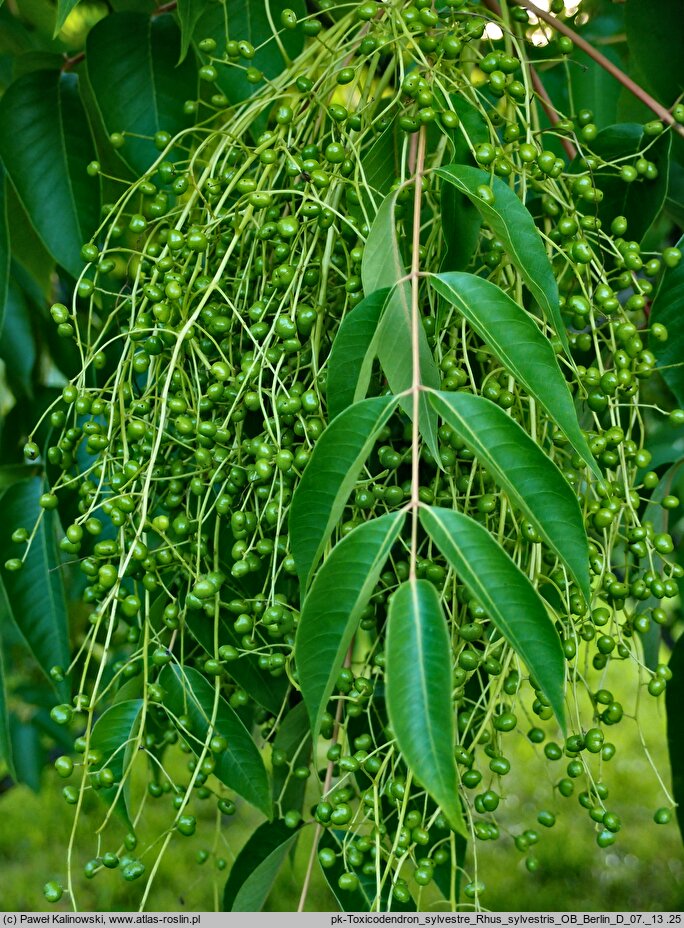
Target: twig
<point>605,63</point>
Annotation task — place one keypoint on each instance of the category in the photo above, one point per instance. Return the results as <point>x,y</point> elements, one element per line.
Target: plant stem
<point>605,63</point>
<point>415,351</point>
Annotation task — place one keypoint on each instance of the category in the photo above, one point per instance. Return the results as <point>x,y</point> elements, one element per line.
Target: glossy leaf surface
<point>517,342</point>
<point>329,477</point>
<point>334,604</point>
<point>527,475</point>
<point>419,685</point>
<point>139,86</point>
<point>509,598</point>
<point>351,361</point>
<point>256,867</point>
<point>45,145</point>
<point>511,221</point>
<point>240,766</point>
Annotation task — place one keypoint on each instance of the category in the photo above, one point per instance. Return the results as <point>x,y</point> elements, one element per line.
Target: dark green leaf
<point>674,700</point>
<point>593,87</point>
<point>380,164</point>
<point>4,246</point>
<point>240,766</point>
<point>132,62</point>
<point>46,145</point>
<point>443,874</point>
<point>36,593</point>
<point>27,751</point>
<point>267,690</point>
<point>249,21</point>
<point>114,735</point>
<point>13,473</point>
<point>332,607</point>
<point>5,737</point>
<point>383,266</point>
<point>329,477</point>
<point>17,343</point>
<point>511,221</point>
<point>528,476</point>
<point>654,37</point>
<point>350,363</point>
<point>188,12</point>
<point>517,342</point>
<point>294,739</point>
<point>362,899</point>
<point>509,598</point>
<point>642,200</point>
<point>419,685</point>
<point>667,310</point>
<point>256,867</point>
<point>64,7</point>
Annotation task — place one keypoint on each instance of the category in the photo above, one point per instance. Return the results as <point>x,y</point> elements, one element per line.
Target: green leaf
<point>329,477</point>
<point>419,685</point>
<point>294,739</point>
<point>256,867</point>
<point>666,309</point>
<point>509,598</point>
<point>45,145</point>
<point>249,21</point>
<point>188,12</point>
<point>380,164</point>
<point>5,736</point>
<point>655,42</point>
<point>511,221</point>
<point>240,766</point>
<point>36,593</point>
<point>351,360</point>
<point>527,475</point>
<point>517,342</point>
<point>674,700</point>
<point>17,342</point>
<point>64,7</point>
<point>594,87</point>
<point>28,751</point>
<point>139,86</point>
<point>642,200</point>
<point>383,266</point>
<point>265,689</point>
<point>4,246</point>
<point>363,898</point>
<point>334,604</point>
<point>114,735</point>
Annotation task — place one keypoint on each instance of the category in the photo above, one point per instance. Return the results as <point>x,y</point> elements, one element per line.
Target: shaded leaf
<point>188,12</point>
<point>351,360</point>
<point>333,606</point>
<point>527,475</point>
<point>114,735</point>
<point>249,21</point>
<point>666,309</point>
<point>267,690</point>
<point>329,477</point>
<point>363,898</point>
<point>517,342</point>
<point>444,873</point>
<point>240,766</point>
<point>256,867</point>
<point>641,201</point>
<point>28,752</point>
<point>654,37</point>
<point>17,342</point>
<point>36,593</point>
<point>594,87</point>
<point>139,86</point>
<point>507,595</point>
<point>5,735</point>
<point>511,221</point>
<point>419,685</point>
<point>294,739</point>
<point>674,700</point>
<point>45,145</point>
<point>4,246</point>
